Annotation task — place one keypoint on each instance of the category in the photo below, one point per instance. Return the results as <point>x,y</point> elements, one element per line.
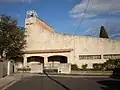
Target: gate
<point>36,68</point>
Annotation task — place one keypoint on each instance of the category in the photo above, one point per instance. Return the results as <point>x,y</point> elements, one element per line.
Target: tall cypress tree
<point>103,33</point>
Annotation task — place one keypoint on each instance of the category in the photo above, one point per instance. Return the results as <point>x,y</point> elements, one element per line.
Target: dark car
<point>116,73</point>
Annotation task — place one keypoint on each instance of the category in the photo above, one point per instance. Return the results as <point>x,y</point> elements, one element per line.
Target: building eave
<point>47,51</point>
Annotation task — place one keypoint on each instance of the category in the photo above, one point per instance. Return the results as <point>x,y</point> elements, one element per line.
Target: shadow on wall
<point>113,84</point>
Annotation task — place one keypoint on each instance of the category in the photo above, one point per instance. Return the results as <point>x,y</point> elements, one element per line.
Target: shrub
<point>74,67</point>
<point>84,66</point>
<point>98,66</point>
<point>111,64</point>
<point>108,65</point>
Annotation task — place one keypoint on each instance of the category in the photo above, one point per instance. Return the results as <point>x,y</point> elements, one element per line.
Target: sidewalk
<point>11,79</point>
<point>5,81</point>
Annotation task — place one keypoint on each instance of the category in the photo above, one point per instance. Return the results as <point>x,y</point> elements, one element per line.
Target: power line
<point>82,18</point>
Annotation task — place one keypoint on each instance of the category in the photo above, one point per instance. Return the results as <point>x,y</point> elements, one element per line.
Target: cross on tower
<point>31,13</point>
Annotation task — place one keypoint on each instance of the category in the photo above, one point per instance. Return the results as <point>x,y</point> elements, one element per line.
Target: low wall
<point>92,72</point>
<point>6,68</point>
<point>3,68</point>
<point>61,67</point>
<point>36,68</point>
<point>64,68</point>
<point>10,68</point>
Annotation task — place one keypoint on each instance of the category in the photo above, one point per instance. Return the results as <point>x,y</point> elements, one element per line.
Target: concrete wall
<point>64,68</point>
<point>41,39</point>
<point>6,68</point>
<point>36,68</point>
<point>10,68</point>
<point>3,68</point>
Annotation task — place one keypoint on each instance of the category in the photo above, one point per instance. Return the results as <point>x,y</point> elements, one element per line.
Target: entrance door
<point>36,64</point>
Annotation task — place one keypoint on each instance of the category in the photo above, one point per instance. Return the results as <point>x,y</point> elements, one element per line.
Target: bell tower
<point>31,13</point>
<point>30,17</point>
<point>31,28</point>
<point>35,30</point>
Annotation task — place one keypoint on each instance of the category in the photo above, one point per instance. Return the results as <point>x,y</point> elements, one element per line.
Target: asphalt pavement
<point>65,83</point>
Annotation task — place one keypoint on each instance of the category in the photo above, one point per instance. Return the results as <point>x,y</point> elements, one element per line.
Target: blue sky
<point>65,15</point>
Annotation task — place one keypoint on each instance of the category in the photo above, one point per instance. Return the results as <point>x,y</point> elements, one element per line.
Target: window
<point>89,57</point>
<point>111,56</point>
<point>27,23</point>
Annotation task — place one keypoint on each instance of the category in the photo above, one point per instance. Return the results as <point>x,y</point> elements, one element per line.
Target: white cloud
<point>96,7</point>
<point>111,26</point>
<point>79,15</point>
<point>93,19</point>
<point>91,32</point>
<point>16,1</point>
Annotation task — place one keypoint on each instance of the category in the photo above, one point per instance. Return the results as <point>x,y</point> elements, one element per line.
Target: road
<point>65,83</point>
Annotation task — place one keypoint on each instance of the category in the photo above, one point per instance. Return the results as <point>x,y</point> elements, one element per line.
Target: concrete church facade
<point>55,50</point>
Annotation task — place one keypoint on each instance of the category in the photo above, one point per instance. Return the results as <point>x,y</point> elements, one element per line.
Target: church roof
<point>45,26</point>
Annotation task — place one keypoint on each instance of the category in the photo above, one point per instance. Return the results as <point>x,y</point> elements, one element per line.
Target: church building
<point>47,49</point>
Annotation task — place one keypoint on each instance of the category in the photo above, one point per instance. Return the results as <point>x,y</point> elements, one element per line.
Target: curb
<point>77,76</point>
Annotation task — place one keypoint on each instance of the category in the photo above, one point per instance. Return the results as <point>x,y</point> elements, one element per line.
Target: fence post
<point>8,68</point>
<point>1,69</point>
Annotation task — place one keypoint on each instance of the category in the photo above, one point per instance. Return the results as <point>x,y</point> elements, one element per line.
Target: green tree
<point>12,42</point>
<point>103,33</point>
